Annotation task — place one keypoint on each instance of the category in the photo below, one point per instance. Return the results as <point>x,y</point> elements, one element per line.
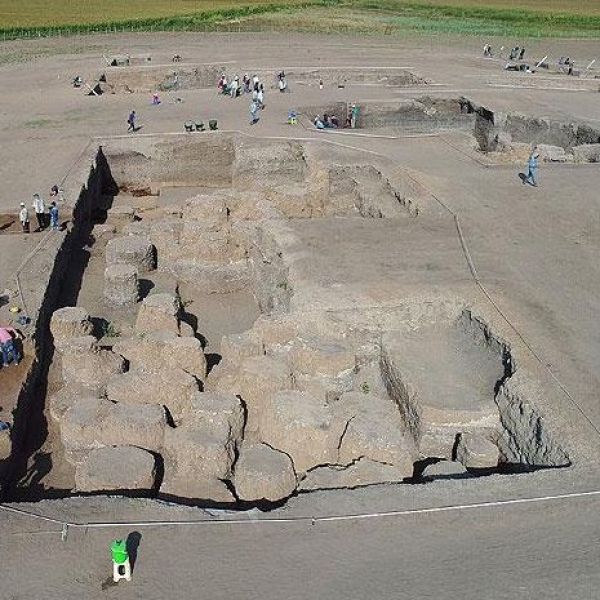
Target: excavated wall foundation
<point>293,400</point>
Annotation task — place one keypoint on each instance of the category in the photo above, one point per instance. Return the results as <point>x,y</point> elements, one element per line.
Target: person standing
<point>24,218</point>
<point>8,347</point>
<point>260,96</point>
<point>233,88</point>
<point>532,167</point>
<point>131,121</point>
<point>54,216</point>
<point>354,112</point>
<point>254,108</point>
<point>40,211</point>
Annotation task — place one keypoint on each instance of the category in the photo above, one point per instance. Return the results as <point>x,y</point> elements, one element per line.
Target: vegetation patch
<point>527,18</point>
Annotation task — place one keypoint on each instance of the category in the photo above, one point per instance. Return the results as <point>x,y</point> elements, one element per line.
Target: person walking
<point>24,218</point>
<point>8,347</point>
<point>54,216</point>
<point>40,211</point>
<point>131,121</point>
<point>532,167</point>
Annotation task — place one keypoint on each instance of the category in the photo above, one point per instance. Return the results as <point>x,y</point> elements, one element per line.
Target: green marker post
<point>120,559</point>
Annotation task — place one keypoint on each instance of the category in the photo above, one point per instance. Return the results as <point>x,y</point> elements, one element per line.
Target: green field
<point>523,18</point>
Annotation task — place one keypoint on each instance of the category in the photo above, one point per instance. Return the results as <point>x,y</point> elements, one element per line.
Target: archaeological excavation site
<point>232,321</point>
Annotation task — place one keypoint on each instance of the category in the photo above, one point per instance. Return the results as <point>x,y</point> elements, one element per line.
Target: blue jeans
<point>9,350</point>
<point>531,176</point>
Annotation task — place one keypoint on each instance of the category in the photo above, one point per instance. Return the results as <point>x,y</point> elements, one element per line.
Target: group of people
<point>235,88</point>
<point>8,346</point>
<point>327,122</point>
<point>517,53</point>
<point>45,218</point>
<point>332,122</point>
<point>250,85</point>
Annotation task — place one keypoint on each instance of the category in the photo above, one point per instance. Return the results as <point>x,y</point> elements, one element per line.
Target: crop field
<point>524,18</point>
<point>55,13</point>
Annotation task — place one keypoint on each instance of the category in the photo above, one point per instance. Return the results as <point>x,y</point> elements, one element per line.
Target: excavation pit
<point>147,78</point>
<point>268,316</point>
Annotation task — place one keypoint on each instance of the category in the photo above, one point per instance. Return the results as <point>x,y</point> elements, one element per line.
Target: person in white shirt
<point>233,88</point>
<point>24,218</point>
<point>260,97</point>
<point>40,211</point>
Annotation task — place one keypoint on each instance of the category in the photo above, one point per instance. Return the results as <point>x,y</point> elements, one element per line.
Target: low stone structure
<point>131,250</point>
<point>121,286</point>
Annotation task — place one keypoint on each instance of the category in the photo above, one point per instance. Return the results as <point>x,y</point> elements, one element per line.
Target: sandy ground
<point>534,249</point>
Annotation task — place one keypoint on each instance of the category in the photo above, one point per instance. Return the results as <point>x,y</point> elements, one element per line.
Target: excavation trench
<point>189,371</point>
<point>509,135</point>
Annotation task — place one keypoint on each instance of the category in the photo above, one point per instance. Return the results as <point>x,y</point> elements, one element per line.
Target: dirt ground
<point>535,250</point>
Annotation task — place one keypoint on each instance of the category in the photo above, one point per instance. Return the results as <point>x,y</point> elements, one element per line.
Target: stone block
<point>357,474</point>
<point>122,213</point>
<point>116,468</point>
<point>263,473</point>
<point>552,153</point>
<point>587,153</point>
<point>258,378</point>
<point>86,343</point>
<point>96,422</point>
<point>134,250</point>
<point>90,370</point>
<point>60,402</point>
<point>237,346</point>
<point>374,430</point>
<point>160,350</point>
<point>121,285</point>
<point>70,322</point>
<point>217,412</point>
<point>444,469</point>
<point>303,427</point>
<point>475,451</point>
<point>164,236</point>
<point>158,312</point>
<point>196,463</point>
<point>173,388</point>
